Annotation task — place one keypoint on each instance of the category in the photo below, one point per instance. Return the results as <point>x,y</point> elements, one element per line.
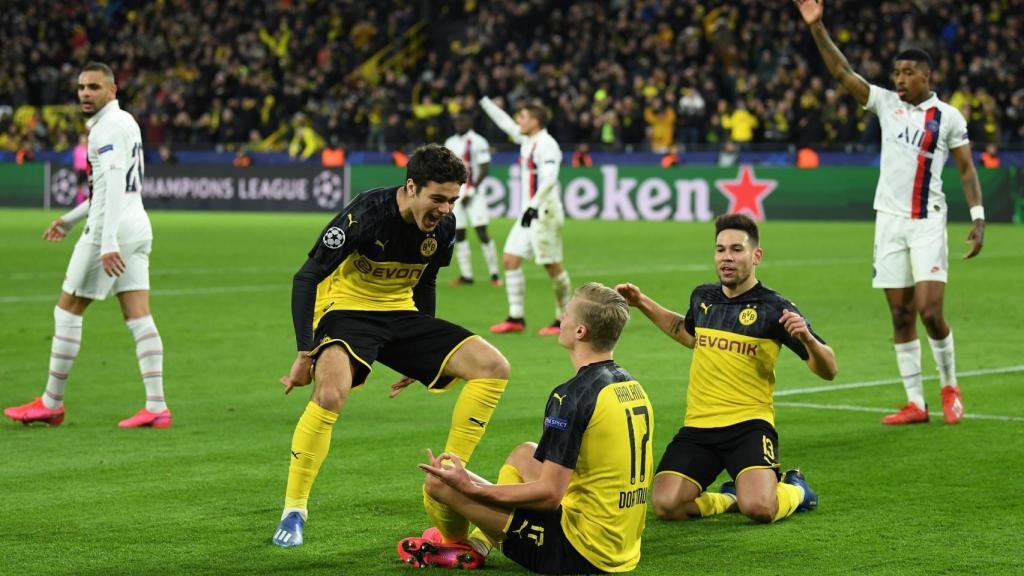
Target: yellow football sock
<point>508,474</point>
<point>453,527</point>
<point>310,444</point>
<point>472,412</point>
<point>713,503</point>
<point>789,498</point>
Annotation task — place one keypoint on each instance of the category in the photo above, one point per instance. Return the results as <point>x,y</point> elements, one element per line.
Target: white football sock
<point>908,358</point>
<point>491,257</point>
<point>465,259</point>
<point>563,292</point>
<point>515,287</point>
<point>67,340</point>
<point>942,351</point>
<point>149,349</point>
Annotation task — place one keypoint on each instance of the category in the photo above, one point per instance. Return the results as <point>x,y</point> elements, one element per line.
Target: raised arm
<point>670,322</point>
<point>812,11</point>
<point>507,124</point>
<point>972,193</point>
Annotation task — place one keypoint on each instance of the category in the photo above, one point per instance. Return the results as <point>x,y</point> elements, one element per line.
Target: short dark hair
<point>915,55</point>
<point>99,67</point>
<point>434,163</point>
<point>539,112</point>
<point>740,222</point>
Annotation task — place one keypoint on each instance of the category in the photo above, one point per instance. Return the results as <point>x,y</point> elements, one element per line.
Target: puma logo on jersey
<point>558,397</point>
<point>705,307</point>
<point>383,245</point>
<point>351,220</point>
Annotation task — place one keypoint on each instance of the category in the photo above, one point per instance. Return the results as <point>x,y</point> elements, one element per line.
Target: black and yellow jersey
<point>600,423</point>
<point>732,376</point>
<point>368,258</point>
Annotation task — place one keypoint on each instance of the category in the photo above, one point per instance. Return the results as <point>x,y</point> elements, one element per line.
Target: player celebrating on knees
<point>911,256</point>
<point>575,503</point>
<point>537,233</point>
<point>736,328</point>
<point>471,209</point>
<point>112,254</point>
<point>367,292</point>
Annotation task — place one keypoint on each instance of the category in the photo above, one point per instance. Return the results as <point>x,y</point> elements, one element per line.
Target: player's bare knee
<point>932,318</point>
<point>668,507</point>
<point>759,510</point>
<point>495,365</point>
<point>521,453</point>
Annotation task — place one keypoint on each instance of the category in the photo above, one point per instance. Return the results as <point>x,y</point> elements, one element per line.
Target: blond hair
<point>603,311</point>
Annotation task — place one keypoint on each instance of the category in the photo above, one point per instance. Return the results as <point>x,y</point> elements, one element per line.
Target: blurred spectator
<point>990,157</point>
<point>729,154</point>
<point>167,155</point>
<point>581,157</point>
<point>661,123</point>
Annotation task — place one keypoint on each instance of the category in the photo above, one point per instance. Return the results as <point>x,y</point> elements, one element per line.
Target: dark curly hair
<point>435,163</point>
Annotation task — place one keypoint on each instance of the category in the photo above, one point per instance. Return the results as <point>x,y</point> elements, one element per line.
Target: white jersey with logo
<point>540,158</point>
<point>116,168</point>
<point>475,151</point>
<point>916,141</point>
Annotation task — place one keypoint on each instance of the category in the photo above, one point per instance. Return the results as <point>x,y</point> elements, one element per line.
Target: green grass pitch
<point>204,497</point>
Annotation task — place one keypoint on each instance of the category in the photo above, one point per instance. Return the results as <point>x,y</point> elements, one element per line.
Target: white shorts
<point>471,214</point>
<point>85,276</point>
<point>542,241</point>
<point>908,251</point>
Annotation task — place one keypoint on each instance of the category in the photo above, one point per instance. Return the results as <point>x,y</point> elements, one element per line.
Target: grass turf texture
<point>205,496</point>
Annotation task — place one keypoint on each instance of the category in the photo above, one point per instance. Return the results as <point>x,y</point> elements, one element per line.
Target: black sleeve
<point>424,294</point>
<point>785,337</point>
<point>336,242</point>
<point>688,322</point>
<point>564,427</point>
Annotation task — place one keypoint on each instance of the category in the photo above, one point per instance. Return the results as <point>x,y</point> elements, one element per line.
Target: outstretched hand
<point>397,387</point>
<point>976,238</point>
<point>630,292</point>
<point>811,10</point>
<point>449,469</point>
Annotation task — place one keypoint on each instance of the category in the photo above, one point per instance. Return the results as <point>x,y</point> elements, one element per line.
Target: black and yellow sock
<point>453,526</point>
<point>310,444</point>
<point>472,412</point>
<point>789,498</point>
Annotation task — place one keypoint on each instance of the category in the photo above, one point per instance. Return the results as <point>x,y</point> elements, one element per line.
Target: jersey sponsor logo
<point>726,344</point>
<point>556,423</point>
<point>705,307</point>
<point>383,245</point>
<point>748,316</point>
<point>351,221</point>
<point>105,149</point>
<point>632,498</point>
<point>389,270</point>
<point>334,238</point>
<point>428,247</point>
<point>558,397</point>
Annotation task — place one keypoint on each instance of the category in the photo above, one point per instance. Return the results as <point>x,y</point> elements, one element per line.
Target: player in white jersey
<point>911,253</point>
<point>537,232</point>
<point>471,209</point>
<point>111,254</point>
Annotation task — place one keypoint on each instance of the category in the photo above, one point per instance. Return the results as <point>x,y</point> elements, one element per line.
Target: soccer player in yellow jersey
<point>576,502</point>
<point>736,328</point>
<point>366,293</point>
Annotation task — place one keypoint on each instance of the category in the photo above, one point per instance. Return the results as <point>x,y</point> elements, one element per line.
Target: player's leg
<point>546,238</point>
<point>149,350</point>
<point>750,453</point>
<point>311,441</point>
<point>517,247</point>
<point>930,256</point>
<point>686,468</point>
<point>519,467</point>
<point>490,251</point>
<point>894,274</point>
<point>462,253</point>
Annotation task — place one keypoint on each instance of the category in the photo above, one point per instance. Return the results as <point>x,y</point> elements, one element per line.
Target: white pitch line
<point>167,292</point>
<point>848,408</point>
<point>872,383</point>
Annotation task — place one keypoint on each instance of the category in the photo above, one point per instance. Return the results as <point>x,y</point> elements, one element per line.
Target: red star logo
<point>745,193</point>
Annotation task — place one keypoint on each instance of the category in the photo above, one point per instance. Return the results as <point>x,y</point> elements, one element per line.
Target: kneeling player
<point>576,502</point>
<point>736,328</point>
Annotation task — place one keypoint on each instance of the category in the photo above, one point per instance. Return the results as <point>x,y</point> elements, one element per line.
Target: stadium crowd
<point>617,74</point>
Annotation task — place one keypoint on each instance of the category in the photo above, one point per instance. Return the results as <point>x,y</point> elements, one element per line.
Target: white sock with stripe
<point>515,287</point>
<point>67,340</point>
<point>491,257</point>
<point>942,351</point>
<point>465,259</point>
<point>908,358</point>
<point>149,349</point>
<point>563,292</point>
